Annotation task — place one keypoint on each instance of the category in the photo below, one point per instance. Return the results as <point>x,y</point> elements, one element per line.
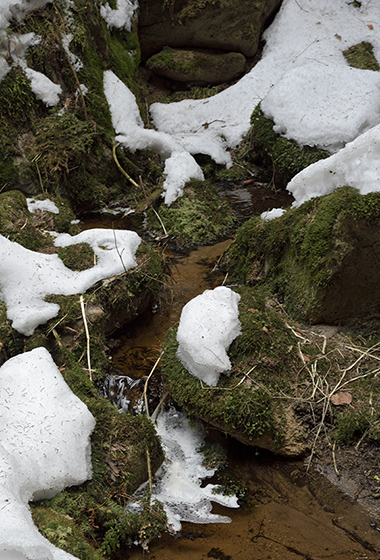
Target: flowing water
<point>287,513</point>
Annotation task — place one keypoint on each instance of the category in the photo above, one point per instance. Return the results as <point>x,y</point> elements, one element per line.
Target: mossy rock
<point>320,259</point>
<point>286,157</point>
<point>221,25</point>
<point>242,403</point>
<point>362,56</point>
<point>199,217</point>
<point>196,67</point>
<point>67,150</point>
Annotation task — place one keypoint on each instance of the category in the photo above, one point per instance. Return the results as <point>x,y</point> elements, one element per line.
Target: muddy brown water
<point>288,513</point>
<point>292,515</point>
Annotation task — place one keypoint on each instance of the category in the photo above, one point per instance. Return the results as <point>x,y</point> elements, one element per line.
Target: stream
<point>287,513</point>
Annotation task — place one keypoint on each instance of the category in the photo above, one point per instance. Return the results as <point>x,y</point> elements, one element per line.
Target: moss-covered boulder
<point>228,25</point>
<point>195,67</point>
<point>247,404</point>
<point>321,259</point>
<point>285,157</point>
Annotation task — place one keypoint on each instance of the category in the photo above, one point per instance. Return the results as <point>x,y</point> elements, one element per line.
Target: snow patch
<point>27,277</point>
<point>208,325</point>
<point>45,446</point>
<point>122,16</point>
<point>180,166</point>
<point>46,205</point>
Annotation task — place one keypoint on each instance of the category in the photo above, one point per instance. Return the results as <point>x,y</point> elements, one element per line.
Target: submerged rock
<point>322,259</point>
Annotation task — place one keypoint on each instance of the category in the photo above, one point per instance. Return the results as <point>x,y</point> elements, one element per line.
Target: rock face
<point>197,67</point>
<point>224,25</point>
<point>322,258</point>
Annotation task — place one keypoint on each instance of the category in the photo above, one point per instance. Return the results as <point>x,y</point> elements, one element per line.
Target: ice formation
<point>208,325</point>
<point>178,483</point>
<point>44,447</point>
<point>26,277</point>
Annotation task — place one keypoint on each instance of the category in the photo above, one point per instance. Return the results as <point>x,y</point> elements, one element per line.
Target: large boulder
<point>322,259</point>
<point>225,25</point>
<point>196,67</point>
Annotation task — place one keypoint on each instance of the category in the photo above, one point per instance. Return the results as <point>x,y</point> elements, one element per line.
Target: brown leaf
<point>341,398</point>
<point>338,37</point>
<point>370,26</point>
<point>253,310</point>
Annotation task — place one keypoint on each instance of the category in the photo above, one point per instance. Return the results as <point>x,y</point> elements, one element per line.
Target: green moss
<point>200,216</point>
<point>287,157</point>
<point>240,404</point>
<point>16,222</point>
<point>63,532</point>
<point>362,56</point>
<point>244,410</point>
<point>17,101</point>
<point>300,252</point>
<point>194,7</point>
<point>77,257</point>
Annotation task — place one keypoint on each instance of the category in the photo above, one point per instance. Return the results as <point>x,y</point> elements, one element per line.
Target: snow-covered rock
<point>208,325</point>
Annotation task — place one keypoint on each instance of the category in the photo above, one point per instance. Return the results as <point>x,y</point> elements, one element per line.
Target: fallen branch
<point>87,336</point>
<point>121,169</point>
<point>147,381</point>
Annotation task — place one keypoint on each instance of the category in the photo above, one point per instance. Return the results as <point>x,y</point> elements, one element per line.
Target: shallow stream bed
<point>287,513</point>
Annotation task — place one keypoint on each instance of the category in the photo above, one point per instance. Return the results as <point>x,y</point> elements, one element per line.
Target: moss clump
<point>77,257</point>
<point>242,405</point>
<point>309,255</point>
<point>200,216</point>
<point>17,223</point>
<point>362,56</point>
<point>287,157</point>
<point>62,531</point>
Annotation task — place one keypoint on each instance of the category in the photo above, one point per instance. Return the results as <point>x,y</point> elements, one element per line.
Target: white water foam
<point>177,484</point>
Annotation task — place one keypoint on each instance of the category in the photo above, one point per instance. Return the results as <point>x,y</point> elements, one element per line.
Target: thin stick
<point>161,222</point>
<point>87,335</point>
<point>149,470</point>
<point>147,381</point>
<point>121,169</point>
<point>334,459</point>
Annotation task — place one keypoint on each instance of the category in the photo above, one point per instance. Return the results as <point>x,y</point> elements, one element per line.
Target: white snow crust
<point>44,447</point>
<point>122,16</point>
<point>180,166</point>
<point>178,483</point>
<point>208,324</point>
<point>26,277</point>
<point>48,205</point>
<point>356,165</point>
